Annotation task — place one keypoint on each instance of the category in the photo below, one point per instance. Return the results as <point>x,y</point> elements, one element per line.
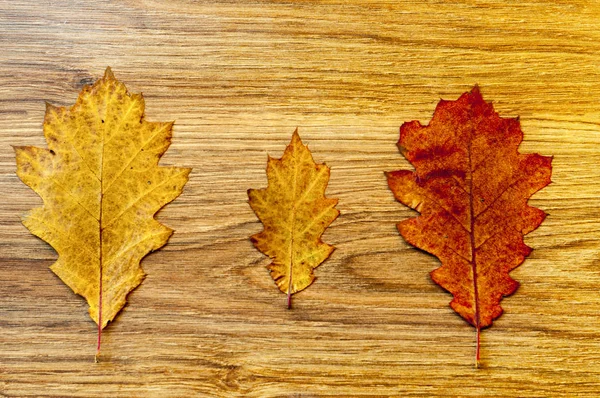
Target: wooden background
<point>238,78</point>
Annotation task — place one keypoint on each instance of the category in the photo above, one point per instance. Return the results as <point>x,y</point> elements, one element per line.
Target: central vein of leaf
<point>100,231</point>
<point>472,239</point>
<point>293,230</point>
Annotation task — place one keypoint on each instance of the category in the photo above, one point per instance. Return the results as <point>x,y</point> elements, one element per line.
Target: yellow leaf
<point>295,213</point>
<point>101,186</point>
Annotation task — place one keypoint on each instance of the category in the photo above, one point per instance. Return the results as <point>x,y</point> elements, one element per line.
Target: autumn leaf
<point>295,213</point>
<point>101,186</point>
<point>471,187</point>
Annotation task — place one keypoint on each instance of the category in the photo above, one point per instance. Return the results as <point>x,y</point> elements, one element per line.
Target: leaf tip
<point>250,193</point>
<point>51,108</point>
<point>254,239</point>
<point>108,74</point>
<point>476,90</point>
<point>296,137</point>
<point>186,171</point>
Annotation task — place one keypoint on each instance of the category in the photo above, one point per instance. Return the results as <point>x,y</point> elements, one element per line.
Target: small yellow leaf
<point>295,213</point>
<point>101,186</point>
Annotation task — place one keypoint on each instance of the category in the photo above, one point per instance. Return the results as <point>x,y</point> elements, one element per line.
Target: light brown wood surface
<point>238,78</point>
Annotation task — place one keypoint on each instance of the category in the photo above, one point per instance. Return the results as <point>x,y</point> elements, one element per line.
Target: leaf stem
<point>100,290</point>
<point>289,300</point>
<point>97,356</point>
<point>477,357</point>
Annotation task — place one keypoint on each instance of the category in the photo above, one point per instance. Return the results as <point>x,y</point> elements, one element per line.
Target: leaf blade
<point>471,187</point>
<point>89,144</point>
<point>294,219</point>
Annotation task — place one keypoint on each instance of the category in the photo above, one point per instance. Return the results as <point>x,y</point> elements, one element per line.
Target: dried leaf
<point>295,213</point>
<point>471,187</point>
<point>101,186</point>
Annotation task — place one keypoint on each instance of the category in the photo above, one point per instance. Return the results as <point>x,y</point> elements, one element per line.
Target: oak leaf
<point>101,186</point>
<point>295,213</point>
<point>471,187</point>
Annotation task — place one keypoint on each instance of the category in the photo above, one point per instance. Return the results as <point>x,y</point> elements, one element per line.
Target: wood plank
<point>238,78</point>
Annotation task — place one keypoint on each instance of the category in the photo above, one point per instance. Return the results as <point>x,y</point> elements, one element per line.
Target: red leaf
<point>471,186</point>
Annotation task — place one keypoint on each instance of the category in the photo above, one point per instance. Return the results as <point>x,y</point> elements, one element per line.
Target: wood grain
<point>238,78</point>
